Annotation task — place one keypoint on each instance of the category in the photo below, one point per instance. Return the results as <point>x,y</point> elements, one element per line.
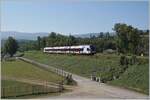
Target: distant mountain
<point>33,36</point>
<point>88,35</point>
<point>22,35</point>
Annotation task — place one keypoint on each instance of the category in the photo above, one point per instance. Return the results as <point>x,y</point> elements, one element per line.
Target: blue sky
<point>71,17</point>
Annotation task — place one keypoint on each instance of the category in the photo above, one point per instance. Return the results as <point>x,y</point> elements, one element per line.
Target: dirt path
<point>90,89</point>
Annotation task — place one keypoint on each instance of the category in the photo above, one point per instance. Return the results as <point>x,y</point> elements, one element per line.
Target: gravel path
<point>90,89</point>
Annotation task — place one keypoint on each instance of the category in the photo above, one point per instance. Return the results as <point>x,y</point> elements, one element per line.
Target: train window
<point>81,49</point>
<point>88,49</point>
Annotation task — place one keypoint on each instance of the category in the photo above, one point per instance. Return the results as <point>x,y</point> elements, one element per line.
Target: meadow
<point>104,65</point>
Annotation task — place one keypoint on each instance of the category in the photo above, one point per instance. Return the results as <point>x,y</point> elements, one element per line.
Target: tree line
<point>126,40</point>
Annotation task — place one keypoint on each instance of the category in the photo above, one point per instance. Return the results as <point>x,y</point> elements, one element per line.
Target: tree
<point>107,35</point>
<point>10,46</point>
<point>122,41</point>
<point>39,42</point>
<point>43,42</point>
<point>128,38</point>
<point>71,40</point>
<point>52,39</point>
<point>134,39</point>
<point>101,35</point>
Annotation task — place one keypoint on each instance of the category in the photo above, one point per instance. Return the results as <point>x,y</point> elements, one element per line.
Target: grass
<point>79,64</point>
<point>14,89</point>
<point>11,83</point>
<point>20,69</point>
<point>135,77</point>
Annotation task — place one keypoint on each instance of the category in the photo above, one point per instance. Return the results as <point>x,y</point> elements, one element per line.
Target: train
<point>80,49</point>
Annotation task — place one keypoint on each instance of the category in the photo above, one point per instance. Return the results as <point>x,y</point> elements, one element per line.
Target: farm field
<point>135,77</point>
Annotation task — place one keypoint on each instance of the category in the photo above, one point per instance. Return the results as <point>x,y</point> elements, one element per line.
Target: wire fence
<point>16,91</point>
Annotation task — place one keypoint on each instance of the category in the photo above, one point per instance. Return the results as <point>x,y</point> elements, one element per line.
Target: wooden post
<point>3,92</point>
<point>91,77</point>
<point>99,80</point>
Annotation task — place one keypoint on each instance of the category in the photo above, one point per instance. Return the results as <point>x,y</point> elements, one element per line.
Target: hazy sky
<point>71,17</point>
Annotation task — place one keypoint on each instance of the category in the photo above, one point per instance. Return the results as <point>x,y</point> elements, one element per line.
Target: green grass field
<point>20,69</point>
<point>103,64</point>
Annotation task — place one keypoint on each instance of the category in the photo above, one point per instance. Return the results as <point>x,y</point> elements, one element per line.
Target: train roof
<point>61,47</point>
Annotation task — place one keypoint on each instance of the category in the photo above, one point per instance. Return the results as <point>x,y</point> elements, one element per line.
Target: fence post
<point>60,87</point>
<point>46,86</point>
<point>15,92</point>
<point>91,77</point>
<point>32,89</point>
<point>99,80</point>
<point>3,92</point>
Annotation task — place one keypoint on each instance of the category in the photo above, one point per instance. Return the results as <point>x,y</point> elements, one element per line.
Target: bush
<point>133,60</point>
<point>107,76</point>
<point>124,60</point>
<point>69,81</point>
<point>142,61</point>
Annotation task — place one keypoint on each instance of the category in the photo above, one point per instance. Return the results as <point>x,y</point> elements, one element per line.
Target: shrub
<point>107,76</point>
<point>142,61</point>
<point>133,60</point>
<point>124,60</point>
<point>69,81</point>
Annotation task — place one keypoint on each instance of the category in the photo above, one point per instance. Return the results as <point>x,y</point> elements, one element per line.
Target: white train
<point>81,49</point>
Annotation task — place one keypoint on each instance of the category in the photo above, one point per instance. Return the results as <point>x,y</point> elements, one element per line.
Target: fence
<point>16,91</point>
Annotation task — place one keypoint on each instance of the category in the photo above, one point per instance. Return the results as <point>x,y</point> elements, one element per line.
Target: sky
<point>71,17</point>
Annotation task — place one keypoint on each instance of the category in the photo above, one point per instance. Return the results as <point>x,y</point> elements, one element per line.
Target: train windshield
<point>92,48</point>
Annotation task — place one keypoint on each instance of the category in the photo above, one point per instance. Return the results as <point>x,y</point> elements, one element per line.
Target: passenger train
<point>81,49</point>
